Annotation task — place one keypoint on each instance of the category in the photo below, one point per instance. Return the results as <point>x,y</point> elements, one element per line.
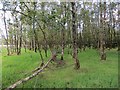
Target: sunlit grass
<point>93,72</point>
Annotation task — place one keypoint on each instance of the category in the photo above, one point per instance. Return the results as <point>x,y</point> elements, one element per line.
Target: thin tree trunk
<point>63,36</point>
<point>25,42</point>
<point>35,45</point>
<point>15,43</point>
<point>15,40</point>
<point>8,51</point>
<point>45,42</point>
<point>102,37</point>
<point>32,43</point>
<point>118,34</point>
<point>11,43</point>
<point>37,42</point>
<point>40,54</point>
<point>75,54</point>
<point>25,45</point>
<point>20,44</point>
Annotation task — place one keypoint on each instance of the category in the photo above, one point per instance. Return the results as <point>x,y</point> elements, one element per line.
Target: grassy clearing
<point>93,73</point>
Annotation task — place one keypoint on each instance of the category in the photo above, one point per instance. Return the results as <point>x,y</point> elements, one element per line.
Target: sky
<point>2,27</point>
<point>1,23</point>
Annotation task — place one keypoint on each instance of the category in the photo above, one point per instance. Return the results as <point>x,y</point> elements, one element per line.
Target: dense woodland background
<point>52,27</point>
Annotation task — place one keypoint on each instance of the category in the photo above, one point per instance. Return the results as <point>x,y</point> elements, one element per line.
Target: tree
<point>7,42</point>
<point>74,34</point>
<point>102,34</point>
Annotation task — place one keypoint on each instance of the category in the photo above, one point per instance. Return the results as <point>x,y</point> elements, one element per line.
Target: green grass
<point>92,74</point>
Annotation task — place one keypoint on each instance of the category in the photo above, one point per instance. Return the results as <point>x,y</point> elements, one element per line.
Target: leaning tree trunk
<point>74,34</point>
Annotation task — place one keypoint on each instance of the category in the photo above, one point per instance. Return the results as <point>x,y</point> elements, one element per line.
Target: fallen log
<point>29,77</point>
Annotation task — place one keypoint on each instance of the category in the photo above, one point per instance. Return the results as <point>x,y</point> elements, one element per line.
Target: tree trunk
<point>74,34</point>
<point>25,45</point>
<point>35,42</point>
<point>15,43</point>
<point>32,43</point>
<point>102,36</point>
<point>62,53</point>
<point>45,41</point>
<point>8,51</point>
<point>63,35</point>
<point>20,44</point>
<point>118,42</point>
<point>15,40</point>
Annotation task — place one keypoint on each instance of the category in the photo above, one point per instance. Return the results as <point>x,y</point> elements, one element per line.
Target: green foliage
<point>51,19</point>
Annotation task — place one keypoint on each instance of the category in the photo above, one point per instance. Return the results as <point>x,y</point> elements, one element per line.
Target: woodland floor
<point>93,73</point>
